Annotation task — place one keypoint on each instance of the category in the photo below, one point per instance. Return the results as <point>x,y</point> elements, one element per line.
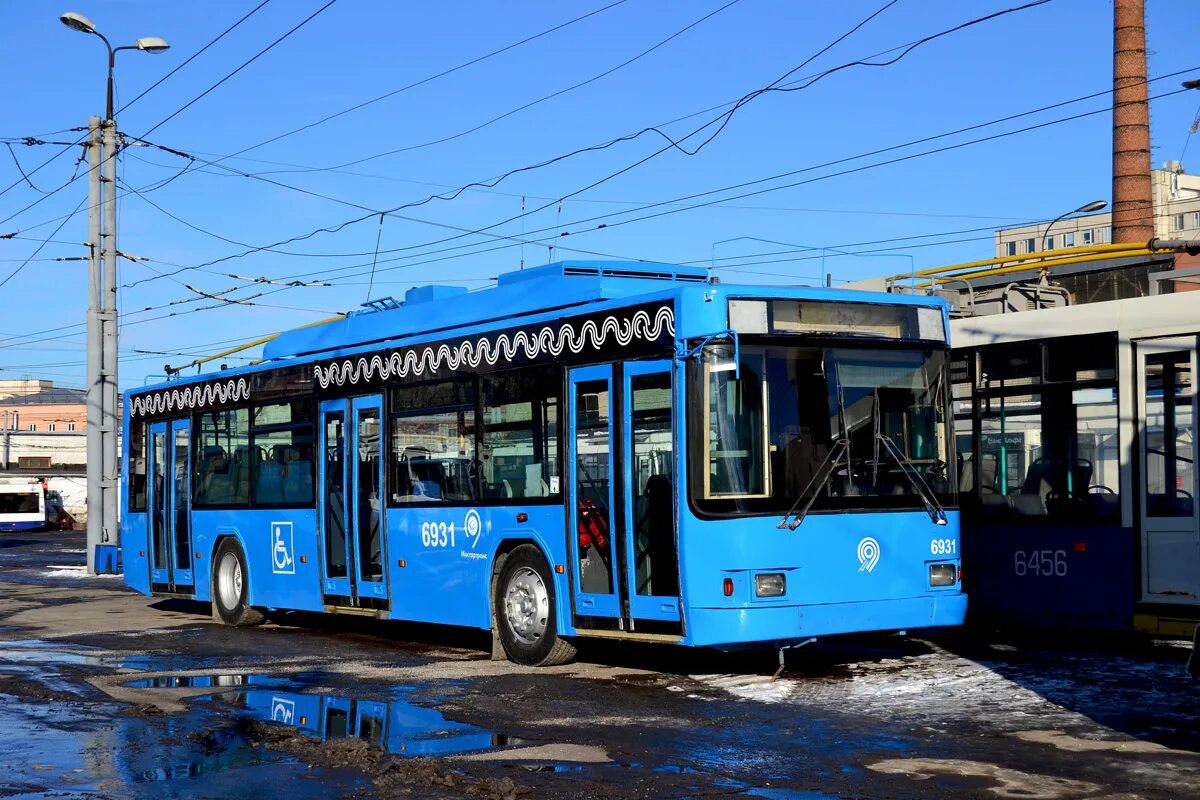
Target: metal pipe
<point>935,279</point>
<point>1112,250</point>
<point>95,466</point>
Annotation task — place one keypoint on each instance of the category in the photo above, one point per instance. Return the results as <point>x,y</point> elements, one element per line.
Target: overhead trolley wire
<point>81,139</point>
<point>425,80</point>
<point>44,242</point>
<point>194,55</point>
<point>544,98</point>
<point>239,68</point>
<point>493,182</point>
<point>680,204</point>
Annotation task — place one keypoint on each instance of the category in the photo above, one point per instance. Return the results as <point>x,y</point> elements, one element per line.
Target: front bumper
<point>781,625</point>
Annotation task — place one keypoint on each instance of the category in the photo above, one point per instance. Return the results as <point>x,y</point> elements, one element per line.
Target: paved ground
<point>106,693</point>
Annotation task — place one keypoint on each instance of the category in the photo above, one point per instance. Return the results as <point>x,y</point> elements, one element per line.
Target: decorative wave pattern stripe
<point>190,397</point>
<point>473,353</point>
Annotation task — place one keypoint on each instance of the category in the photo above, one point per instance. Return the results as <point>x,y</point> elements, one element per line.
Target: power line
<point>544,98</point>
<point>45,241</point>
<point>193,57</point>
<point>424,80</point>
<point>679,205</point>
<point>492,183</point>
<point>242,66</point>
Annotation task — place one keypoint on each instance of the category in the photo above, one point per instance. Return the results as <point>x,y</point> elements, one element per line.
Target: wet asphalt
<point>105,693</point>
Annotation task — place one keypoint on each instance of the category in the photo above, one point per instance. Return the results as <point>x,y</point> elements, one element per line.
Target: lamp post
<point>1088,208</point>
<point>102,455</point>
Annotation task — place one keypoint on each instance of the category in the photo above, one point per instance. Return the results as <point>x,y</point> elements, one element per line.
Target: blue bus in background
<point>625,450</point>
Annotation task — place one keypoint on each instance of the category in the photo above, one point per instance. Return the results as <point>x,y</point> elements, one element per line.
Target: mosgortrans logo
<point>868,554</point>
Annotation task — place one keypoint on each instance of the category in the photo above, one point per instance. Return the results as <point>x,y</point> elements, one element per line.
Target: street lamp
<point>102,456</point>
<point>148,44</point>
<point>1088,208</point>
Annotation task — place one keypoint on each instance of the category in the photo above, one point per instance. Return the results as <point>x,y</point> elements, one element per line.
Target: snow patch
<point>73,572</point>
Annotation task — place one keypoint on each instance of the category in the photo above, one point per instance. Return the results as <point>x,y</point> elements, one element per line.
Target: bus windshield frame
<point>760,431</point>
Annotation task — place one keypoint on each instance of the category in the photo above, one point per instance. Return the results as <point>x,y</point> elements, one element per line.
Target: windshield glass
<point>760,434</point>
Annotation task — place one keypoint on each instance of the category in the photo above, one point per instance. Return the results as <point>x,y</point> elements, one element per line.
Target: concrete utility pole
<point>103,457</point>
<point>108,325</point>
<point>1132,207</point>
<point>95,403</point>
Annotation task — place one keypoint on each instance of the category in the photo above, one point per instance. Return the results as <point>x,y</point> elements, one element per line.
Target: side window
<point>224,459</point>
<point>432,457</point>
<point>1047,428</point>
<point>735,449</point>
<point>520,433</point>
<point>283,454</point>
<point>137,466</point>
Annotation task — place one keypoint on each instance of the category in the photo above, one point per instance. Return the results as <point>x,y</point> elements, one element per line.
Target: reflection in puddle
<point>42,652</point>
<point>789,794</point>
<point>394,725</point>
<point>195,681</point>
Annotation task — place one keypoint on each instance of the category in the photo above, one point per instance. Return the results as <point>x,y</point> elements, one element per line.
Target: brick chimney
<point>1132,206</point>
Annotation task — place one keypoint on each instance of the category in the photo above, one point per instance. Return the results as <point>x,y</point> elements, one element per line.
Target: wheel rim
<point>229,581</point>
<point>527,605</point>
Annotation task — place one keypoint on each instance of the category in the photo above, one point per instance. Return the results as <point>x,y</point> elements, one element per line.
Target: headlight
<point>770,584</point>
<point>942,574</point>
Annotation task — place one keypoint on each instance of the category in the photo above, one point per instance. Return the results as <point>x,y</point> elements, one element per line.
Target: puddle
<point>24,651</point>
<point>789,794</point>
<point>63,749</point>
<point>196,681</point>
<point>394,725</point>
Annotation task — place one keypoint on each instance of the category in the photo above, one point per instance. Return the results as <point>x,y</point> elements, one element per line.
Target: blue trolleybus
<point>588,449</point>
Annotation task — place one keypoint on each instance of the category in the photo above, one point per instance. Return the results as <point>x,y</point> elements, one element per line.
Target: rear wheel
<point>525,617</point>
<point>230,586</point>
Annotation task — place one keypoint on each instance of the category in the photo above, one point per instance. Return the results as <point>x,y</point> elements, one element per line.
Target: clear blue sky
<point>359,49</point>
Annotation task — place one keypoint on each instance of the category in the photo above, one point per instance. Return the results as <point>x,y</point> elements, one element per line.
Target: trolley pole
<point>95,444</point>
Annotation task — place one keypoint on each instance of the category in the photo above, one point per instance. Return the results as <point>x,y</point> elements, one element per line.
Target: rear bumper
<point>778,625</point>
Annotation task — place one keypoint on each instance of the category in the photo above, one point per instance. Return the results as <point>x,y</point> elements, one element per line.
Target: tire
<point>525,618</point>
<point>230,586</point>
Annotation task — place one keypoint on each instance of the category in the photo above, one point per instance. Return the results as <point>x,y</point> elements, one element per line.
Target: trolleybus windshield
<point>760,433</point>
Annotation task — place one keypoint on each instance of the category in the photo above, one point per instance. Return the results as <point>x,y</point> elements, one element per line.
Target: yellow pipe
<point>248,345</point>
<point>1045,254</point>
<point>1083,259</point>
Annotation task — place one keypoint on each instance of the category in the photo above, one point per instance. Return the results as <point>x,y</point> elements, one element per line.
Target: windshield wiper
<point>819,479</point>
<point>937,514</point>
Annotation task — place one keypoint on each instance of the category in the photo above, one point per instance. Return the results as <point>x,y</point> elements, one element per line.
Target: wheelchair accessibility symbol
<point>283,711</point>
<point>282,548</point>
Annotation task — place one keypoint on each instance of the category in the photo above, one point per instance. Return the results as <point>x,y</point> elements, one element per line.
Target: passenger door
<point>171,506</point>
<point>351,507</point>
<point>621,463</point>
<point>1168,486</point>
<point>590,501</point>
<point>652,574</point>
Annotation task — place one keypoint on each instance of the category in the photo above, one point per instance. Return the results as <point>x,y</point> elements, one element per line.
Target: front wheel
<point>230,586</point>
<point>524,605</point>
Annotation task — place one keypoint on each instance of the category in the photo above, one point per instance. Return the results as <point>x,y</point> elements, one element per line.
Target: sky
<point>595,71</point>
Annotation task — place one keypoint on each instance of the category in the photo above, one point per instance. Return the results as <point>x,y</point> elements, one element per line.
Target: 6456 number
<point>1043,563</point>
